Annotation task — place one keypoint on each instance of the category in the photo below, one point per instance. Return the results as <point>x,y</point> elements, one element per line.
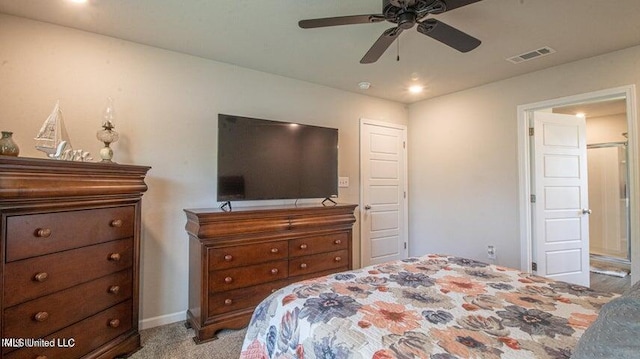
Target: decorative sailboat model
<point>53,139</point>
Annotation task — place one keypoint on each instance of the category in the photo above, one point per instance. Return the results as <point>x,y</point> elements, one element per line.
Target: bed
<point>436,307</point>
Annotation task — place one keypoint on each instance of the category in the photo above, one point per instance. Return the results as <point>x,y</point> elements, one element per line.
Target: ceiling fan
<point>406,14</point>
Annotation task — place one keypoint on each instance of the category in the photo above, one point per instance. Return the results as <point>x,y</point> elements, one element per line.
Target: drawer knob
<point>303,246</point>
<point>114,323</point>
<point>41,277</point>
<point>228,280</point>
<point>41,316</point>
<point>114,257</point>
<point>228,301</point>
<point>338,259</point>
<point>303,265</point>
<point>114,289</point>
<point>116,223</point>
<point>228,258</point>
<point>274,250</point>
<point>338,241</point>
<point>273,290</point>
<point>43,232</point>
<point>274,271</point>
<point>41,357</point>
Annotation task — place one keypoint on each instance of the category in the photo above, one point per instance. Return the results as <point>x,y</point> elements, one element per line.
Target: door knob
<point>367,207</point>
<point>586,211</point>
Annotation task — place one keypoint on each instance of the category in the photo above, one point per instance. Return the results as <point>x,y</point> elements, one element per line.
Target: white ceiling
<point>264,35</point>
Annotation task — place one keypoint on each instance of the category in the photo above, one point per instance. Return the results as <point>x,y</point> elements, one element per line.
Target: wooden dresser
<point>238,258</point>
<point>70,249</point>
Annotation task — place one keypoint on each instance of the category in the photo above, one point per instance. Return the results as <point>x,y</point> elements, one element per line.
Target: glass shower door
<point>608,200</point>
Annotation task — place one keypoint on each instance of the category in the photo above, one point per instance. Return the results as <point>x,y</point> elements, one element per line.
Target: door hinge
<point>531,131</point>
<point>405,194</point>
<point>533,198</point>
<point>405,245</point>
<point>534,266</point>
<point>404,144</point>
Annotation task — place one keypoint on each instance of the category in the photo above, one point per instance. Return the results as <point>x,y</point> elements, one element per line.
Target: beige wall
<point>167,106</point>
<point>463,156</point>
<point>606,128</point>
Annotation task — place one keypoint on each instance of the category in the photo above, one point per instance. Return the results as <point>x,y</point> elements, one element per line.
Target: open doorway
<point>612,141</point>
<point>608,191</point>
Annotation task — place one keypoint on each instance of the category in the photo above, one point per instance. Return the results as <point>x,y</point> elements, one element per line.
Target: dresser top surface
<point>272,208</point>
<point>41,180</point>
<point>50,165</point>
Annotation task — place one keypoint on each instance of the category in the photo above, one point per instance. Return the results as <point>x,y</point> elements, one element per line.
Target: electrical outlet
<point>343,182</point>
<point>491,252</point>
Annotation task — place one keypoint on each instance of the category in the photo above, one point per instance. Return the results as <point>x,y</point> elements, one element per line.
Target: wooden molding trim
<point>213,222</point>
<point>36,179</point>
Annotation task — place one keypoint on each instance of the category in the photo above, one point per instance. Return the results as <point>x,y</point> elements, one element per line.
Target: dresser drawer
<point>228,257</point>
<point>318,262</point>
<point>318,244</point>
<point>88,335</point>
<point>38,234</point>
<point>50,313</point>
<point>318,274</point>
<point>234,278</point>
<point>242,298</point>
<point>34,277</point>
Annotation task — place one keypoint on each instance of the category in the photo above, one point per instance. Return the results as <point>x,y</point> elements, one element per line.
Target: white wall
<point>167,105</point>
<point>463,161</point>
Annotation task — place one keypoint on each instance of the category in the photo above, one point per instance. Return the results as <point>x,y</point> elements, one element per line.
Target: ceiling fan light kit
<point>405,14</point>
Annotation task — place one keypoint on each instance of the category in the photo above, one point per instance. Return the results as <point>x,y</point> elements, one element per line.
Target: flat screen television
<point>264,159</point>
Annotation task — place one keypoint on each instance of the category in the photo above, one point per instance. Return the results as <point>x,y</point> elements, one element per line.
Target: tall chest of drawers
<point>70,234</point>
<point>238,258</point>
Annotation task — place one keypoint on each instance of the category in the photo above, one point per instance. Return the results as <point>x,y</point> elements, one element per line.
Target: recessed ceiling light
<point>415,89</point>
<point>79,1</point>
<point>364,85</point>
<point>581,115</point>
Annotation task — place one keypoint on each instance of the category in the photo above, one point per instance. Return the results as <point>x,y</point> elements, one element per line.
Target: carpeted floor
<point>175,341</point>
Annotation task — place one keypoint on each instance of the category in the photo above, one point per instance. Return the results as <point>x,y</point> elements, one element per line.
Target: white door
<point>383,199</point>
<point>561,220</point>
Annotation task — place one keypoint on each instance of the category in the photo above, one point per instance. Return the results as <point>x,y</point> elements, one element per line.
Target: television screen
<point>263,159</point>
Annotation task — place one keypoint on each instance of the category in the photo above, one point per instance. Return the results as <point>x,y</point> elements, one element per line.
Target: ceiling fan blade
<point>448,35</point>
<point>454,4</point>
<point>340,20</point>
<point>380,46</point>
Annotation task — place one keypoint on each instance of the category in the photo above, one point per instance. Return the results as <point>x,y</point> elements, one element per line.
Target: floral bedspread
<point>436,307</point>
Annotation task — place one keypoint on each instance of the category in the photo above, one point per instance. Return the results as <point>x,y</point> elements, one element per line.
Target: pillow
<point>634,291</point>
<point>616,332</point>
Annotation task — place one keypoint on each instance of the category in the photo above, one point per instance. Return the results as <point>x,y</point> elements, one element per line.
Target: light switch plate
<point>343,182</point>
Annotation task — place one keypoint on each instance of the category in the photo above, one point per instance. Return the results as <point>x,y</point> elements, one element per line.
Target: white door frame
<point>524,169</point>
<point>405,205</point>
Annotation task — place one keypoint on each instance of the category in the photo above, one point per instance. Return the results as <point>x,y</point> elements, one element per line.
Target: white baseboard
<point>162,320</point>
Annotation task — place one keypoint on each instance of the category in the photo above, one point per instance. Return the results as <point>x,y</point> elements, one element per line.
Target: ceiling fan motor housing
<point>405,13</point>
<point>406,19</point>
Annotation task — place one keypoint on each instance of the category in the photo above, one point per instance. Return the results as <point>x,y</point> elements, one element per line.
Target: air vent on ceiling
<point>544,51</point>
